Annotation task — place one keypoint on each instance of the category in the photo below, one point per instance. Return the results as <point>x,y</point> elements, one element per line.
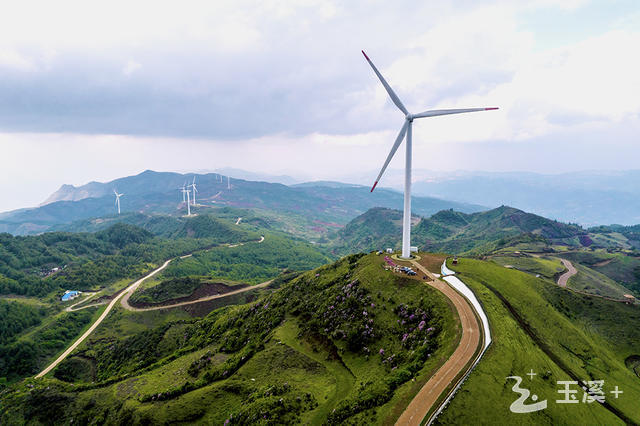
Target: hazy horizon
<point>282,88</point>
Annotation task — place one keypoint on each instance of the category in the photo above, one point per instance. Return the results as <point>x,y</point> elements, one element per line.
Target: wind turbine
<point>186,191</point>
<point>117,199</point>
<point>406,129</point>
<point>228,182</point>
<point>193,185</point>
<point>184,195</point>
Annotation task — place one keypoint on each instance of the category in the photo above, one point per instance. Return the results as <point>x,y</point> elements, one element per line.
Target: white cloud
<point>280,86</point>
<point>131,67</point>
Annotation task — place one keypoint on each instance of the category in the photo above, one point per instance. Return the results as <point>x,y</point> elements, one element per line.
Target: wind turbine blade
<point>396,144</point>
<point>436,112</point>
<point>390,91</point>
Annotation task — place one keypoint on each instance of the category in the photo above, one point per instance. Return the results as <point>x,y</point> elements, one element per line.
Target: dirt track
<point>99,320</point>
<point>127,292</point>
<point>425,399</point>
<point>571,271</point>
<point>126,305</point>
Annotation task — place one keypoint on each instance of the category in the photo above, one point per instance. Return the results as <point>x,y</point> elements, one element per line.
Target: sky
<point>100,90</point>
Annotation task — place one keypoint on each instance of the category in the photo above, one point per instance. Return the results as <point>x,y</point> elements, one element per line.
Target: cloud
<point>255,84</point>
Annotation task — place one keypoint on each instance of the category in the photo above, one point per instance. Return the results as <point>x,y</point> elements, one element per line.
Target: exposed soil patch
<point>206,289</point>
<point>633,362</point>
<point>203,308</point>
<point>432,262</point>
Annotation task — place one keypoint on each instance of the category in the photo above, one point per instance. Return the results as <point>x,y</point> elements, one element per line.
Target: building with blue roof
<point>69,295</point>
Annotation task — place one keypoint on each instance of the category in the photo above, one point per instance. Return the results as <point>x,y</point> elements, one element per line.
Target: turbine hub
<point>409,117</point>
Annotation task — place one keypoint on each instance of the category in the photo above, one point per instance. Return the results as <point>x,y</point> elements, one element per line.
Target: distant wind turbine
<point>228,182</point>
<point>407,129</point>
<point>185,190</point>
<point>193,186</point>
<point>117,199</point>
<point>184,194</point>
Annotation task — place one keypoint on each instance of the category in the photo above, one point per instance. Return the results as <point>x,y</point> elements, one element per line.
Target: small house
<point>69,295</point>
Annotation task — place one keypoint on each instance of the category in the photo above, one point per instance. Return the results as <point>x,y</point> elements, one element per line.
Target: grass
<point>549,337</point>
<point>342,380</point>
<point>315,372</point>
<point>545,267</point>
<point>590,281</point>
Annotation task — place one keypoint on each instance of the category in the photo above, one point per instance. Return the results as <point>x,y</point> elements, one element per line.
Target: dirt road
<point>126,305</point>
<point>128,291</point>
<point>99,320</point>
<point>87,297</point>
<point>463,355</point>
<point>571,271</point>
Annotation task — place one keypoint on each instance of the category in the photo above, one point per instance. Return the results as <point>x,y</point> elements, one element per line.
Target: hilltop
<point>452,231</point>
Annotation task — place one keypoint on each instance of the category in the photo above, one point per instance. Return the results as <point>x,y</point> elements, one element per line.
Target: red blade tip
<point>365,55</point>
<point>490,108</point>
<point>374,185</point>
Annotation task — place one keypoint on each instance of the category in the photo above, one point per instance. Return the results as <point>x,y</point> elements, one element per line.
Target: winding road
<point>127,293</point>
<point>426,398</point>
<point>127,306</point>
<point>571,271</point>
<point>99,320</point>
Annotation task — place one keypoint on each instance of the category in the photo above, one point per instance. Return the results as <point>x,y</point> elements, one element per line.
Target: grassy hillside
<point>377,228</point>
<point>454,232</point>
<point>559,335</point>
<point>340,343</point>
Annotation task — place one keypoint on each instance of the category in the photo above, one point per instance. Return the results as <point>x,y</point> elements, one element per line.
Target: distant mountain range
<point>587,198</point>
<point>320,205</point>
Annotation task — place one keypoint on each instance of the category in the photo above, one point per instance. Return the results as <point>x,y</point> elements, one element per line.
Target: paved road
<point>98,321</point>
<point>571,271</point>
<point>425,399</point>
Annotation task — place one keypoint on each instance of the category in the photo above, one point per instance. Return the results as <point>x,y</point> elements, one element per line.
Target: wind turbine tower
<point>407,130</point>
<point>185,190</point>
<point>228,182</point>
<point>193,186</point>
<point>117,199</point>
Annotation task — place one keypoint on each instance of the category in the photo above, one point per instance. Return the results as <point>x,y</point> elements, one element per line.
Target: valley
<point>265,320</point>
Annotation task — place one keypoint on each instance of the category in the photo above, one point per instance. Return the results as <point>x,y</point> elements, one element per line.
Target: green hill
<point>338,344</point>
<point>453,232</point>
<point>557,334</point>
<point>376,228</point>
<point>456,232</point>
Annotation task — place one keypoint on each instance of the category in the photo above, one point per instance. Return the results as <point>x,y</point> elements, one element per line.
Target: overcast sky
<point>100,90</point>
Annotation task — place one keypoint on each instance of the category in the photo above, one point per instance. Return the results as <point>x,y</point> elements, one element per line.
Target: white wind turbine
<point>406,129</point>
<point>228,182</point>
<point>193,187</point>
<point>117,199</point>
<point>184,193</point>
<point>185,190</point>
